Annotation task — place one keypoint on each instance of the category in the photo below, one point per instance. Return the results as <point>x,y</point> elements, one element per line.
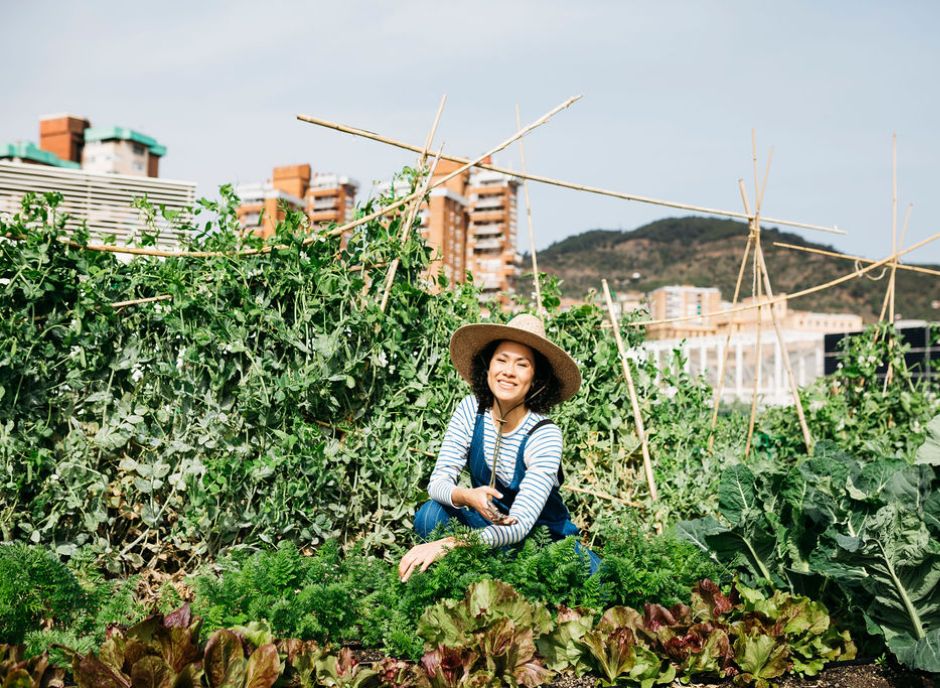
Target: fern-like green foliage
<point>554,572</point>
<point>104,602</point>
<point>335,597</point>
<point>299,596</point>
<point>35,587</point>
<point>662,569</point>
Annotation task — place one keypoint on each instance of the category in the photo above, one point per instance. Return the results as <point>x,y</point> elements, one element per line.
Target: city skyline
<point>671,92</point>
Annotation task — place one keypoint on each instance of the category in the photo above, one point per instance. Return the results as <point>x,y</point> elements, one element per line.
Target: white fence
<point>702,356</point>
<point>103,201</point>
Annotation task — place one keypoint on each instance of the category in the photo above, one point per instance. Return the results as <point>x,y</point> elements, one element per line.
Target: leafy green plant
<point>339,670</point>
<point>639,568</point>
<point>35,587</point>
<point>862,531</point>
<point>562,648</point>
<point>299,596</point>
<point>104,602</point>
<point>227,664</point>
<point>16,671</point>
<point>613,651</point>
<point>491,633</point>
<point>160,650</point>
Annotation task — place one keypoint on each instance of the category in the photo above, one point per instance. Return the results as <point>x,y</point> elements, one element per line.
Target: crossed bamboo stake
<point>416,205</point>
<point>392,207</point>
<point>894,264</point>
<point>634,400</point>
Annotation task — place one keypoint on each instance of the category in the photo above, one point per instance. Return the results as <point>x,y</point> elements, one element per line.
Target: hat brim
<point>469,340</point>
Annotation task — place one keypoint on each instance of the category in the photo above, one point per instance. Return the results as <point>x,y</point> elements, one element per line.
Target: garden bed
<point>869,675</point>
<point>256,440</point>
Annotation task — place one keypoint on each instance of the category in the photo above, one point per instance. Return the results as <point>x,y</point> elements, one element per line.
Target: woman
<point>512,450</point>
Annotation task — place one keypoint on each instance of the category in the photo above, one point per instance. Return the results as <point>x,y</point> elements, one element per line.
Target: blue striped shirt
<point>542,458</point>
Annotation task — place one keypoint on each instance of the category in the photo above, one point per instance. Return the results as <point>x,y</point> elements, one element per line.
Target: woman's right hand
<point>480,499</point>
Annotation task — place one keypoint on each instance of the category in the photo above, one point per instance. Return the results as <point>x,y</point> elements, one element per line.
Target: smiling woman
<point>512,450</point>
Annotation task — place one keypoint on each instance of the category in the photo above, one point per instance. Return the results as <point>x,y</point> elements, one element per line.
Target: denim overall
<point>554,516</point>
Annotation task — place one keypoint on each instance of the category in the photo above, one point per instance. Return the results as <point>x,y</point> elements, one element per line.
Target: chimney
<point>292,179</point>
<point>63,135</point>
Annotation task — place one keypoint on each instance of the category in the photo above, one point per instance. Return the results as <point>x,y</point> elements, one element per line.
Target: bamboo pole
<point>757,291</point>
<point>791,378</point>
<point>460,170</point>
<point>409,220</point>
<point>858,272</point>
<point>415,206</point>
<point>564,184</point>
<point>598,493</point>
<point>894,220</point>
<point>894,249</point>
<point>719,387</point>
<point>134,302</point>
<point>528,213</point>
<point>336,230</point>
<point>846,256</point>
<point>634,402</point>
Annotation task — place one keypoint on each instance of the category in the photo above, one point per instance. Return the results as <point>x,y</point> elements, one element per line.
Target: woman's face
<point>510,373</point>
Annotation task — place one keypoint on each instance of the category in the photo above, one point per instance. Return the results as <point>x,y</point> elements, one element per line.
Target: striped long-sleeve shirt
<point>542,459</point>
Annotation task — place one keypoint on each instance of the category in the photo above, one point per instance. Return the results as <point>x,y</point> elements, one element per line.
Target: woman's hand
<point>423,556</point>
<point>480,499</point>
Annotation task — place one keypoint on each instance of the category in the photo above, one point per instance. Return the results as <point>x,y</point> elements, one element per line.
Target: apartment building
<point>492,258</point>
<point>675,301</point>
<point>324,198</point>
<point>331,198</point>
<point>706,314</point>
<point>470,225</point>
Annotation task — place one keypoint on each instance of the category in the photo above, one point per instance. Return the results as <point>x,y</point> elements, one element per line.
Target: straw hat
<point>526,329</point>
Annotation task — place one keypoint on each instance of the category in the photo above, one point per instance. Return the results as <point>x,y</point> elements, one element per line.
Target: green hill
<point>707,252</point>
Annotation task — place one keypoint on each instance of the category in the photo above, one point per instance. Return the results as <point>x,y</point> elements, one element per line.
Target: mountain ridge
<point>706,252</point>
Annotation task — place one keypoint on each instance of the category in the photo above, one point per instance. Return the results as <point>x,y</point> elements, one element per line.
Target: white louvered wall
<point>104,201</point>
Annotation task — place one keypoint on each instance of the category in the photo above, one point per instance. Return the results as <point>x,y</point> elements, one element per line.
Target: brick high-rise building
<point>444,223</point>
<point>469,224</point>
<point>325,198</point>
<point>491,238</point>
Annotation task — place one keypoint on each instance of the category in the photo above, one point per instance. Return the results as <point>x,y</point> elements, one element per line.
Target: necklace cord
<point>502,420</point>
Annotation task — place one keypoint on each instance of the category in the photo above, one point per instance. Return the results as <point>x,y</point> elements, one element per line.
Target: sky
<point>671,93</point>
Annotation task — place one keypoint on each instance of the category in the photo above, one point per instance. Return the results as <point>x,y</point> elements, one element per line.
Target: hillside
<point>707,252</point>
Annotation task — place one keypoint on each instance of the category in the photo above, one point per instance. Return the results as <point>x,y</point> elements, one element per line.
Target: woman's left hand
<point>423,556</point>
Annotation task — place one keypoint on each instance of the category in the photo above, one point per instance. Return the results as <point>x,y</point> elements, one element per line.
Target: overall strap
<point>540,424</point>
<point>476,461</point>
<point>520,459</point>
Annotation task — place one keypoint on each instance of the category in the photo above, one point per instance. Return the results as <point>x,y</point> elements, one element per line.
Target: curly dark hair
<point>543,395</point>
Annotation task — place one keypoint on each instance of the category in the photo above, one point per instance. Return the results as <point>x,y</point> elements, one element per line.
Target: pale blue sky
<point>671,92</point>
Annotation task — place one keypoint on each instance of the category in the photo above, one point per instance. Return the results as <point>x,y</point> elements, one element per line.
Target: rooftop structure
<point>99,172</point>
<point>121,151</point>
<point>69,141</point>
<point>29,152</point>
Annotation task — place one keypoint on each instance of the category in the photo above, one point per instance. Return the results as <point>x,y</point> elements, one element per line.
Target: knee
<point>429,516</point>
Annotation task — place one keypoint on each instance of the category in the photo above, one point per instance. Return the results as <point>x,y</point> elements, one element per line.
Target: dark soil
<point>844,676</point>
<point>847,675</point>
